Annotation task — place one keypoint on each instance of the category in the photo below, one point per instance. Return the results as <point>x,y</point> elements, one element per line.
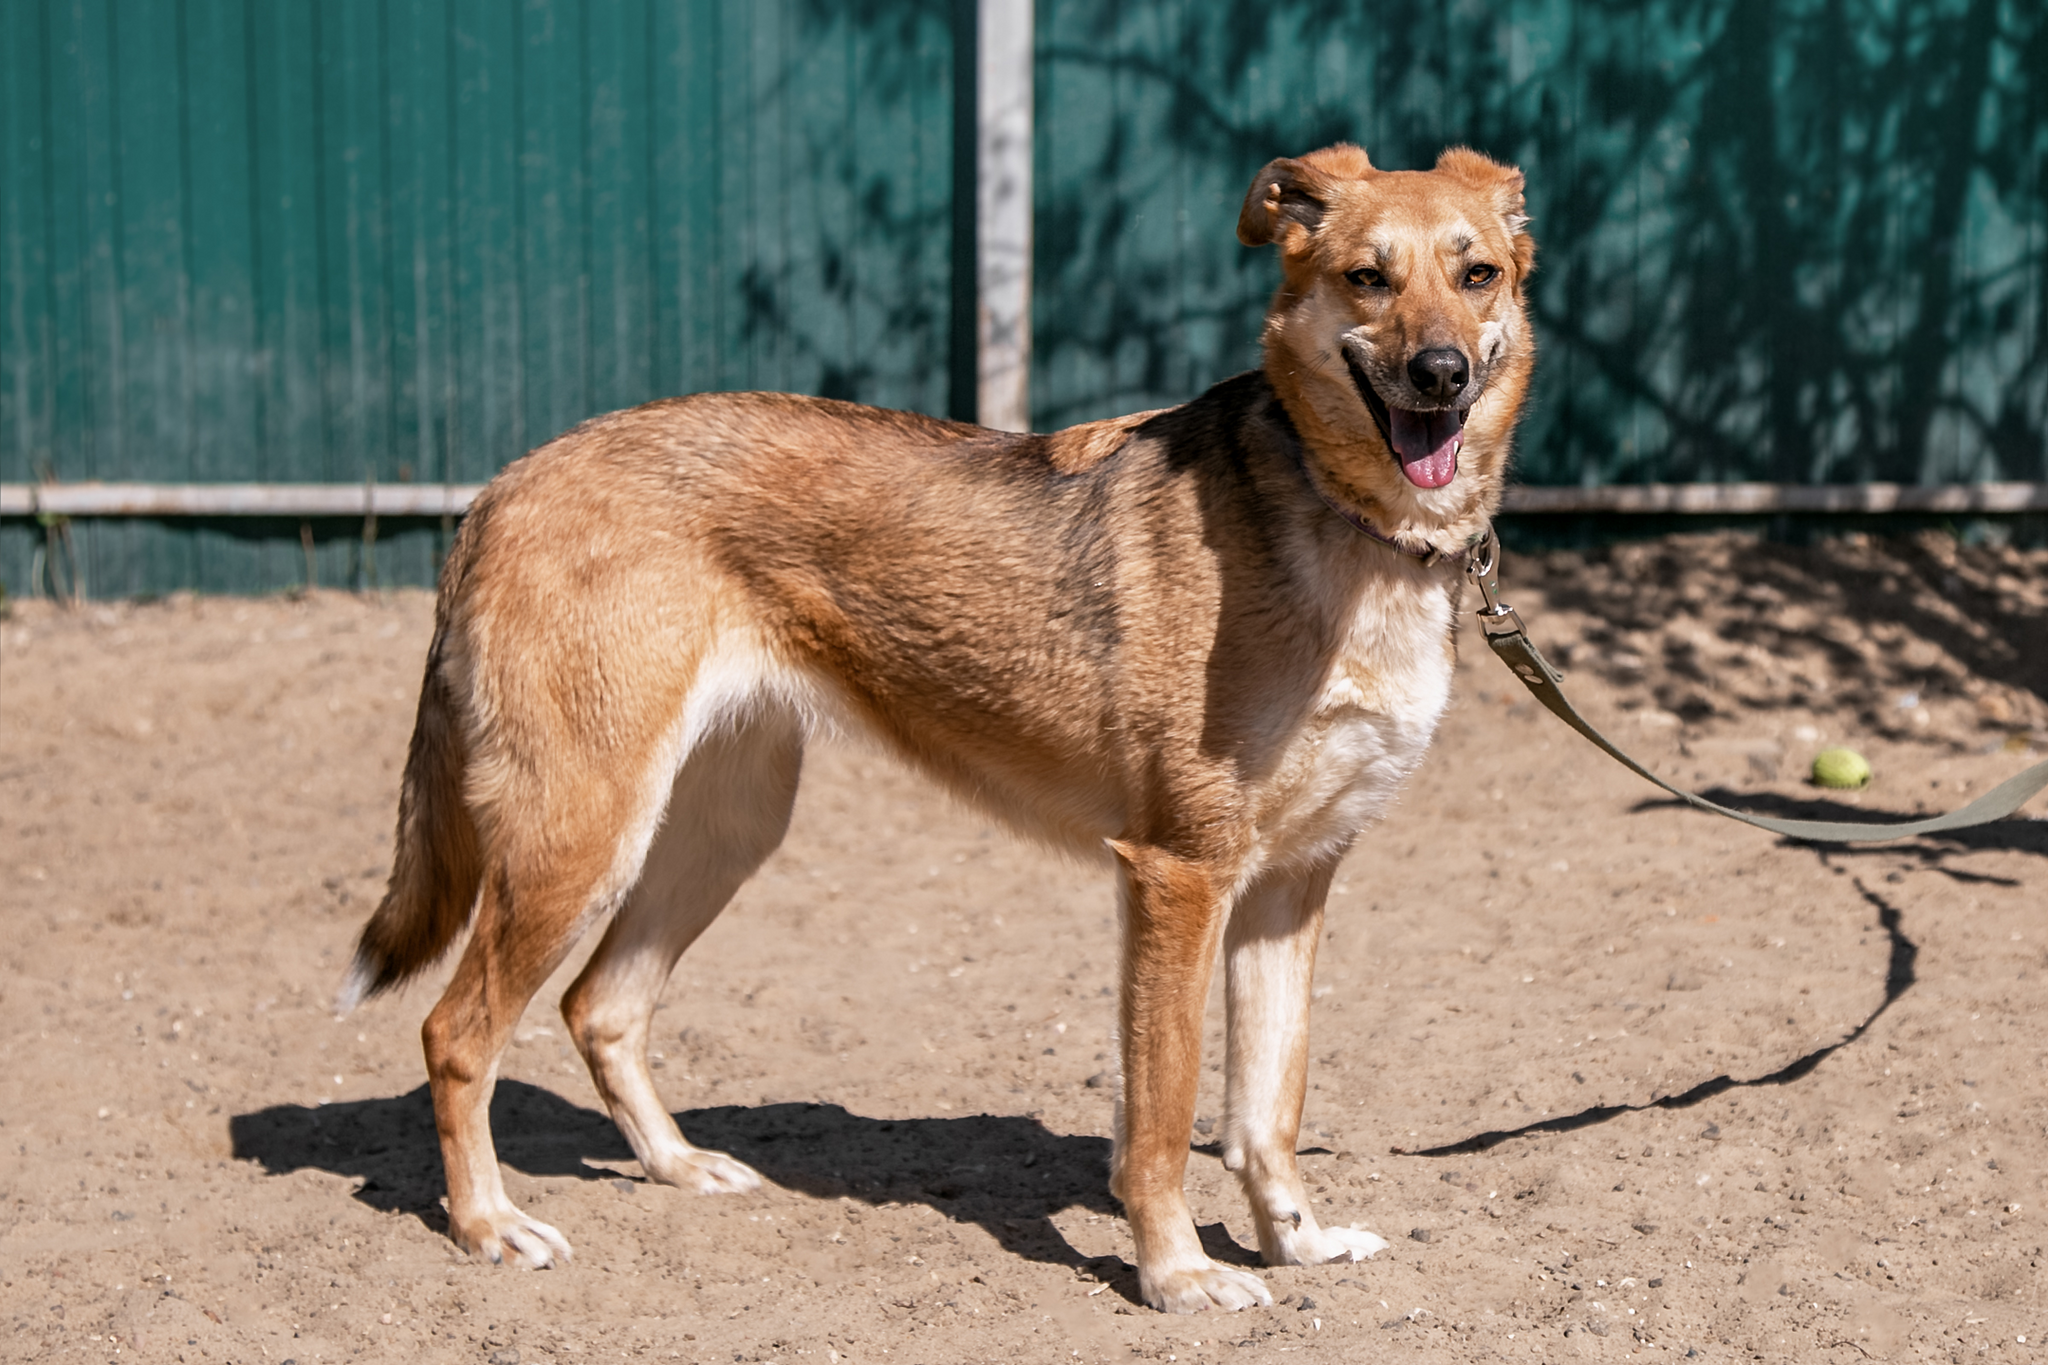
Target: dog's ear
<point>1502,185</point>
<point>1296,190</point>
<point>1284,191</point>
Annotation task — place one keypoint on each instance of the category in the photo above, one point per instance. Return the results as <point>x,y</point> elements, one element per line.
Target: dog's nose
<point>1440,373</point>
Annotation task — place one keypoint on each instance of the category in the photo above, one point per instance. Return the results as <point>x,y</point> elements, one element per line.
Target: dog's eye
<point>1365,277</point>
<point>1480,275</point>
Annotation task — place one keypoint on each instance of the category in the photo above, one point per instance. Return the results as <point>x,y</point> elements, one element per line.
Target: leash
<point>1510,640</point>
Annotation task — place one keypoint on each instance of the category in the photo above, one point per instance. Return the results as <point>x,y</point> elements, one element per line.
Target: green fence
<point>295,241</point>
<point>1792,240</point>
<point>324,240</point>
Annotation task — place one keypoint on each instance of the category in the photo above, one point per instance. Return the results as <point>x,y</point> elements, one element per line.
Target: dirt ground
<point>1617,1079</point>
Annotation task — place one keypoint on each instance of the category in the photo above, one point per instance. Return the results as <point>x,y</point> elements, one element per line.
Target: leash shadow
<point>1009,1174</point>
<point>1899,978</point>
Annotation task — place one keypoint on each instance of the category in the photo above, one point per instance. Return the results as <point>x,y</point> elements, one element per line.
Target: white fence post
<point>1003,215</point>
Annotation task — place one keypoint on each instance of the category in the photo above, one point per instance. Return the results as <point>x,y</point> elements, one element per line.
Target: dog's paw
<point>1344,1244</point>
<point>1305,1243</point>
<point>509,1236</point>
<point>702,1172</point>
<point>1196,1289</point>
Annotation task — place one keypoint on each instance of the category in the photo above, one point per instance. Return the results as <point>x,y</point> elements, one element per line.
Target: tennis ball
<point>1840,768</point>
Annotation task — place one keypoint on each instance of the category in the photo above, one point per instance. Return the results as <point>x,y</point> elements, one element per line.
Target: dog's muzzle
<point>1424,442</point>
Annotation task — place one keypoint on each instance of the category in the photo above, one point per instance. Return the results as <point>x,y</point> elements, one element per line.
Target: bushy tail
<point>437,865</point>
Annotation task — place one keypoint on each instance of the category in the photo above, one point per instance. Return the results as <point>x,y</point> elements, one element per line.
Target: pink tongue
<point>1426,443</point>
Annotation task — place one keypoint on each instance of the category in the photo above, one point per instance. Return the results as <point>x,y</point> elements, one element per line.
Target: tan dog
<point>1163,638</point>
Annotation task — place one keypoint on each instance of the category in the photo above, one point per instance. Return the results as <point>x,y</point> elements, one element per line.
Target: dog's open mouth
<point>1425,444</point>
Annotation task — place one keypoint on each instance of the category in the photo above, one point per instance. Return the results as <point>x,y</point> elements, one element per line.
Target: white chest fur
<point>1373,720</point>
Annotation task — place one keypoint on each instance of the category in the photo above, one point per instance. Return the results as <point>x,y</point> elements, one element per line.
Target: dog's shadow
<point>1008,1174</point>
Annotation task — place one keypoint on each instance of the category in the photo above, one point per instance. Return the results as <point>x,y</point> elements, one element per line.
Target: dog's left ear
<point>1502,185</point>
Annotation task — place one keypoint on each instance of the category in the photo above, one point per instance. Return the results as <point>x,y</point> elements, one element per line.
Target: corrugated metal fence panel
<point>1795,240</point>
<point>1792,240</point>
<point>294,241</point>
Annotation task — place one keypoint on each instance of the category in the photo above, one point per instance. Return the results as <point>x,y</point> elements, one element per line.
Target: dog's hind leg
<point>727,811</point>
<point>1269,962</point>
<point>533,906</point>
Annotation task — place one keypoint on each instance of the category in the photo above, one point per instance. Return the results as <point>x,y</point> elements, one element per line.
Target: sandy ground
<point>1617,1079</point>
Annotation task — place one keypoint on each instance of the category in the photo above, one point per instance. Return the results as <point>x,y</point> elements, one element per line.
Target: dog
<point>1207,643</point>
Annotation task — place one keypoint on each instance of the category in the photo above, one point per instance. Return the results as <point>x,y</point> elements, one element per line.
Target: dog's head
<point>1398,339</point>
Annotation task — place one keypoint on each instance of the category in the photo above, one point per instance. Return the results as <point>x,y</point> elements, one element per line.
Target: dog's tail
<point>437,864</point>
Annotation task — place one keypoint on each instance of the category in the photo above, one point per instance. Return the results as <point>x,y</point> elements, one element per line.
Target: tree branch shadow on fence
<point>1767,251</point>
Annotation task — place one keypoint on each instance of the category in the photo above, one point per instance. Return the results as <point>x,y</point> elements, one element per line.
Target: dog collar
<point>1428,558</point>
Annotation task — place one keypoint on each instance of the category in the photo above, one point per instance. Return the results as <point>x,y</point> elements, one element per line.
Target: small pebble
<point>1307,1303</point>
<point>1419,1234</point>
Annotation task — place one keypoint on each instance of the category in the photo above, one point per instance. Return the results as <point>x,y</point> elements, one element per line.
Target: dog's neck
<point>1427,551</point>
<point>1432,544</point>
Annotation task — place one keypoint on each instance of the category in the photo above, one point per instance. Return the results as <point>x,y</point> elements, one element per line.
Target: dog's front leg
<point>1269,962</point>
<point>1171,907</point>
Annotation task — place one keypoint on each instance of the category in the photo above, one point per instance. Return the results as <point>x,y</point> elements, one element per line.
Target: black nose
<point>1440,373</point>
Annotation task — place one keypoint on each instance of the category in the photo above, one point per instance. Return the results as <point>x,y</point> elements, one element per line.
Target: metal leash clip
<point>1484,570</point>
